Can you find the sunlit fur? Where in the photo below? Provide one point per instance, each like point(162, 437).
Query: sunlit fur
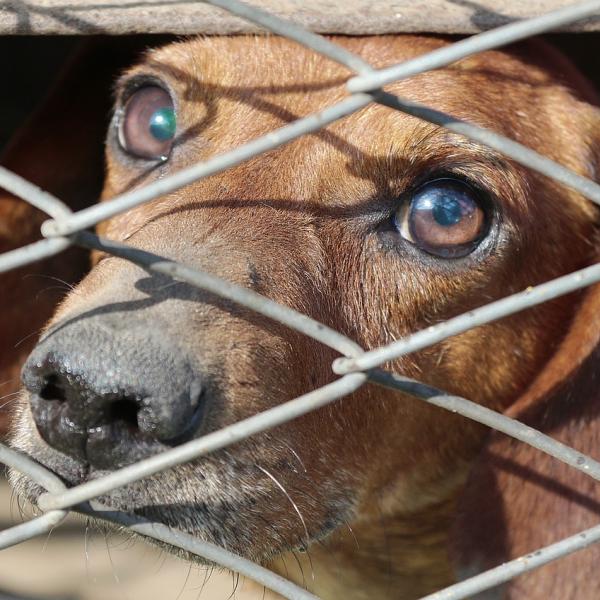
point(376, 475)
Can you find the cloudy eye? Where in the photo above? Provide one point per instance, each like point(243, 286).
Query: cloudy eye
point(147, 126)
point(444, 217)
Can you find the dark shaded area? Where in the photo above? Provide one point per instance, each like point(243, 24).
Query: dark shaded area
point(29, 65)
point(582, 49)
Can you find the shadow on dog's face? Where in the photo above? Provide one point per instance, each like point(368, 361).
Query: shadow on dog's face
point(378, 225)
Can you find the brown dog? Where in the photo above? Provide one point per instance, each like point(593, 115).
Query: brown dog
point(378, 226)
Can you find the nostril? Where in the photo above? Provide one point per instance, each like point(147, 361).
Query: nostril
point(124, 410)
point(52, 389)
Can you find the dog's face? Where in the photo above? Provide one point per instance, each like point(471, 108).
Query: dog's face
point(379, 225)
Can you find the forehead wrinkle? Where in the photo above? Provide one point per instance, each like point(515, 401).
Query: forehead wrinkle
point(439, 144)
point(439, 150)
point(421, 143)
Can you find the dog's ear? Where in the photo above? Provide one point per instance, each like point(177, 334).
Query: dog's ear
point(60, 149)
point(519, 499)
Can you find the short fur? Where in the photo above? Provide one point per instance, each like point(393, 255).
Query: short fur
point(376, 476)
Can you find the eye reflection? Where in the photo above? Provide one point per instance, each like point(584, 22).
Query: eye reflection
point(444, 217)
point(162, 124)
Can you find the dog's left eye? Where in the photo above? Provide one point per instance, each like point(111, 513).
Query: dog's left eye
point(147, 126)
point(443, 217)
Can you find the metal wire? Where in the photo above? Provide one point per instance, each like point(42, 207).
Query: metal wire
point(491, 418)
point(22, 188)
point(211, 552)
point(514, 568)
point(519, 153)
point(91, 216)
point(488, 40)
point(355, 366)
point(209, 443)
point(158, 531)
point(32, 253)
point(479, 316)
point(274, 24)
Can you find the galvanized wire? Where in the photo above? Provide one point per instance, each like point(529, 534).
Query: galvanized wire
point(209, 443)
point(91, 216)
point(158, 531)
point(474, 318)
point(491, 418)
point(518, 152)
point(32, 253)
point(525, 156)
point(311, 40)
point(212, 552)
point(507, 571)
point(15, 184)
point(355, 366)
point(488, 40)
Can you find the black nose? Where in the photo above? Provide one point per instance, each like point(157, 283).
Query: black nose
point(109, 396)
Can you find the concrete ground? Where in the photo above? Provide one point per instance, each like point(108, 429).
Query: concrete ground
point(74, 564)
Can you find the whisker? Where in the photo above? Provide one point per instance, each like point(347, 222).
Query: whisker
point(13, 396)
point(112, 564)
point(68, 285)
point(48, 539)
point(299, 563)
point(49, 289)
point(310, 562)
point(236, 583)
point(185, 582)
point(352, 534)
point(207, 575)
point(276, 482)
point(86, 550)
point(24, 339)
point(296, 455)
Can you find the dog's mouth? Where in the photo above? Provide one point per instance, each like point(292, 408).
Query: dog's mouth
point(244, 498)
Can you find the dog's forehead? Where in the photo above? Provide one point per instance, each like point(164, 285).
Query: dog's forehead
point(256, 83)
point(262, 62)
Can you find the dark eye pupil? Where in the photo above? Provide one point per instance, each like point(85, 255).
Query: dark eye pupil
point(447, 211)
point(163, 124)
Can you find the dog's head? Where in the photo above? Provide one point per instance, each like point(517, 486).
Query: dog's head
point(378, 225)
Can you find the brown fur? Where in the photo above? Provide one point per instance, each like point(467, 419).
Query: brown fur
point(376, 475)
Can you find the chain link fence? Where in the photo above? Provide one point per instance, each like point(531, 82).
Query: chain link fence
point(356, 366)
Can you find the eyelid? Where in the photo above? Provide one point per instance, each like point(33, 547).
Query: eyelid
point(126, 87)
point(131, 84)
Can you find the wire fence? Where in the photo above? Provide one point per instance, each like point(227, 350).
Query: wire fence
point(356, 366)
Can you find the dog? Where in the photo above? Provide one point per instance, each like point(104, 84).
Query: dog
point(378, 225)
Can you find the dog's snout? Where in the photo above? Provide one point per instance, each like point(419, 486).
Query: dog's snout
point(110, 396)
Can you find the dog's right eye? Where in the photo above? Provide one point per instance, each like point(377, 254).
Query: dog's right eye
point(444, 217)
point(147, 125)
